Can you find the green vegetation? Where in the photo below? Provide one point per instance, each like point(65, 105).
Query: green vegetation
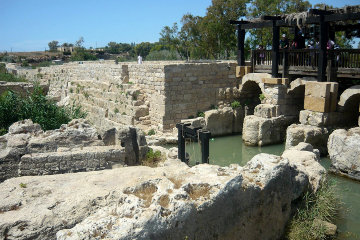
point(36, 107)
point(323, 206)
point(212, 106)
point(8, 77)
point(151, 132)
point(261, 96)
point(23, 185)
point(116, 110)
point(235, 104)
point(152, 158)
point(201, 114)
point(53, 45)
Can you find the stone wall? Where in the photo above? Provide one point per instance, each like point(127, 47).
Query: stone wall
point(151, 95)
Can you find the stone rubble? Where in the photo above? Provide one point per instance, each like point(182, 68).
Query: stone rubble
point(169, 202)
point(27, 150)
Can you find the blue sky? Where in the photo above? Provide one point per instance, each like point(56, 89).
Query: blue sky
point(28, 25)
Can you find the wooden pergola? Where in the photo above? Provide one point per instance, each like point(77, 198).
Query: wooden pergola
point(329, 22)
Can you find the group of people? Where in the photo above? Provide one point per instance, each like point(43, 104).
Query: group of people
point(297, 43)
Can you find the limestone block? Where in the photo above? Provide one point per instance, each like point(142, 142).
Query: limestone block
point(334, 87)
point(243, 70)
point(317, 104)
point(266, 110)
point(195, 122)
point(141, 111)
point(316, 136)
point(344, 151)
point(258, 131)
point(275, 81)
point(317, 89)
point(320, 119)
point(219, 121)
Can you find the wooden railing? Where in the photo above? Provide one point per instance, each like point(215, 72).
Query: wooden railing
point(342, 58)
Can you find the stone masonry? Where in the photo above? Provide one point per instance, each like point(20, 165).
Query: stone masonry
point(151, 95)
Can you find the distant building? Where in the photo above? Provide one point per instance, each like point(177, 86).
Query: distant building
point(65, 49)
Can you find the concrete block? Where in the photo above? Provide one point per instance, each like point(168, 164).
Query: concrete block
point(317, 104)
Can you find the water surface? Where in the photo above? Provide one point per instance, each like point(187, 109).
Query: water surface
point(227, 150)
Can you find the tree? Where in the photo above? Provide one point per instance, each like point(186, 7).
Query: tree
point(53, 45)
point(143, 49)
point(259, 8)
point(79, 43)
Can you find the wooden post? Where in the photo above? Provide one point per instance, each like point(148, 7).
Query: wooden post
point(241, 50)
point(322, 51)
point(204, 138)
point(285, 63)
point(181, 142)
point(275, 49)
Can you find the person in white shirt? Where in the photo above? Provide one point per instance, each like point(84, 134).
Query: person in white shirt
point(139, 59)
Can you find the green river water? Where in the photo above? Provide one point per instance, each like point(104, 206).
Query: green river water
point(230, 149)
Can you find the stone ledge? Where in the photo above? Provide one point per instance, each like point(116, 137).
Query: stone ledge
point(275, 81)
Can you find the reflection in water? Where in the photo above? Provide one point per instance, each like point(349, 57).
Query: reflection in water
point(230, 149)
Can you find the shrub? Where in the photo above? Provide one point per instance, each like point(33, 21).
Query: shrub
point(201, 114)
point(323, 205)
point(262, 97)
point(36, 107)
point(151, 132)
point(152, 158)
point(162, 55)
point(235, 104)
point(212, 106)
point(8, 77)
point(116, 110)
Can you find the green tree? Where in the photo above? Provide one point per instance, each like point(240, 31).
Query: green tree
point(53, 45)
point(259, 8)
point(143, 49)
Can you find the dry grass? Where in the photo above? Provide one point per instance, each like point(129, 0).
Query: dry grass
point(176, 181)
point(145, 192)
point(164, 201)
point(197, 191)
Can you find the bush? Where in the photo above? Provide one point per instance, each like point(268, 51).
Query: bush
point(323, 205)
point(152, 158)
point(151, 132)
point(82, 55)
point(163, 55)
point(201, 114)
point(235, 104)
point(8, 77)
point(262, 97)
point(36, 107)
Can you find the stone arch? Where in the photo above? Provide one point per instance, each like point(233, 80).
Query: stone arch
point(250, 89)
point(296, 93)
point(350, 103)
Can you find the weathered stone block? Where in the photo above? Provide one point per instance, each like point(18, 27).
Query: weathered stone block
point(275, 81)
point(242, 70)
point(317, 89)
point(266, 110)
point(317, 104)
point(344, 151)
point(334, 87)
point(258, 131)
point(316, 136)
point(324, 119)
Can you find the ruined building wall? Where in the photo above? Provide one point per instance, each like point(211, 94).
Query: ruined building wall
point(151, 95)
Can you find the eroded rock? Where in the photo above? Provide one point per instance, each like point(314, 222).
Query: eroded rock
point(344, 150)
point(169, 202)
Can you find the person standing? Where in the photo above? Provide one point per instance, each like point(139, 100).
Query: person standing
point(139, 59)
point(284, 42)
